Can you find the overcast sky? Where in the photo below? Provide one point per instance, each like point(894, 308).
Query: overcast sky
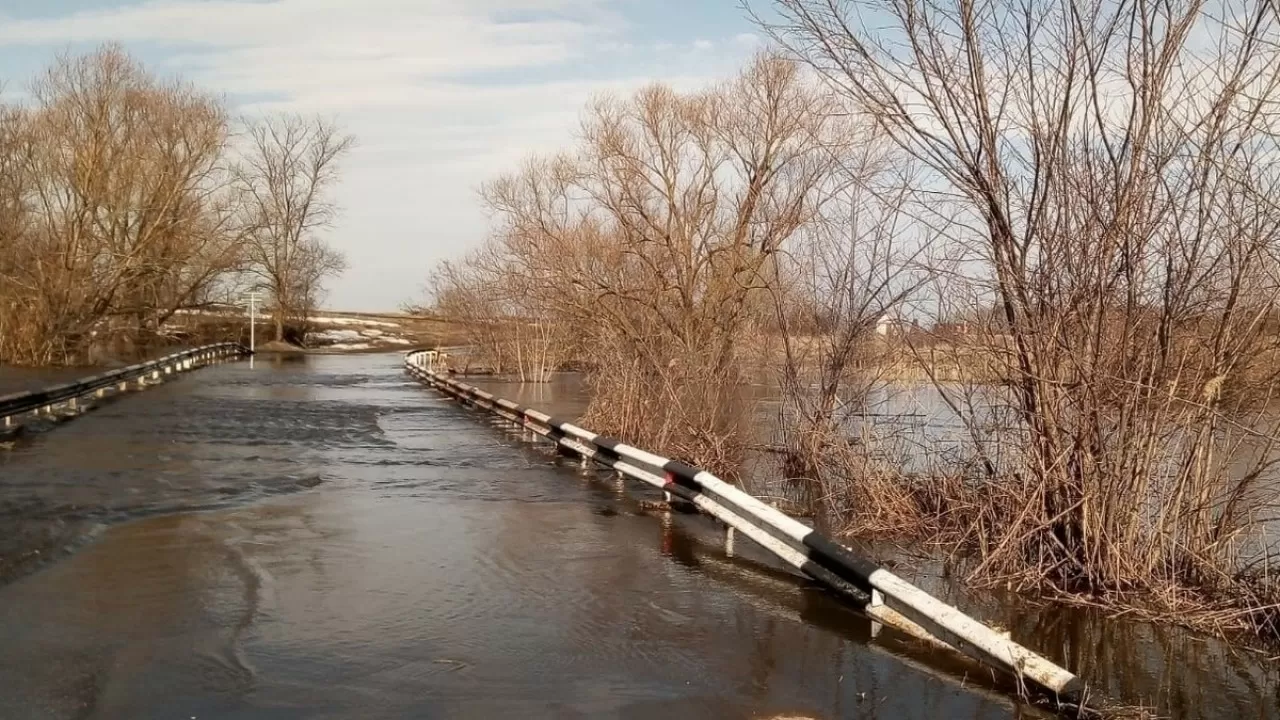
point(441, 94)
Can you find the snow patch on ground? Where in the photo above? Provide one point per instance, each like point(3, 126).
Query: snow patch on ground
point(364, 339)
point(352, 321)
point(336, 336)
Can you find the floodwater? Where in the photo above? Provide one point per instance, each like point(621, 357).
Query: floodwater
point(323, 538)
point(1176, 673)
point(16, 380)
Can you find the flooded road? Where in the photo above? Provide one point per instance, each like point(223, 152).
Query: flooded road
point(325, 539)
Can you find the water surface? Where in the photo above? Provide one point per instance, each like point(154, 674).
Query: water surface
point(324, 538)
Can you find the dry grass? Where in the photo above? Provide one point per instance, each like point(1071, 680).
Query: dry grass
point(687, 410)
point(978, 523)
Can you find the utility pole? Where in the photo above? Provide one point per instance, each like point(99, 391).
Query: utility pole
point(252, 298)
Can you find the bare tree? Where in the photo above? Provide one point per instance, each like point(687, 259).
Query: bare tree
point(860, 260)
point(15, 338)
point(654, 244)
point(119, 185)
point(120, 207)
point(289, 168)
point(507, 322)
point(1111, 167)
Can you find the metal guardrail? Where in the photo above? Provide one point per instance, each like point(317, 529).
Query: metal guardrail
point(882, 595)
point(17, 404)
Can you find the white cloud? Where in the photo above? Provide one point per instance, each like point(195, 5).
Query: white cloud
point(343, 24)
point(442, 95)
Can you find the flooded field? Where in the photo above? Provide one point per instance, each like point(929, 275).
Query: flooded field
point(16, 380)
point(1176, 672)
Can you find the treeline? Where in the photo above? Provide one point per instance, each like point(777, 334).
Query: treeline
point(645, 252)
point(1103, 175)
point(126, 199)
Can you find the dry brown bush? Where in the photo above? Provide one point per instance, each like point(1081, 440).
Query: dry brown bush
point(858, 262)
point(652, 244)
point(1107, 173)
point(509, 326)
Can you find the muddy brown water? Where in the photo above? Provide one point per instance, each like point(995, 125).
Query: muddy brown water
point(323, 538)
point(18, 380)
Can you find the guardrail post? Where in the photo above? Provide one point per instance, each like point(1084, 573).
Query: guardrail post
point(728, 541)
point(877, 600)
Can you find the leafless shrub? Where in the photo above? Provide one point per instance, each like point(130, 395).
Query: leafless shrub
point(653, 242)
point(855, 264)
point(509, 325)
point(1108, 173)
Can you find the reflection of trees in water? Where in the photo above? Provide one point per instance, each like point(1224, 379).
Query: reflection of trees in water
point(1181, 674)
point(566, 395)
point(798, 649)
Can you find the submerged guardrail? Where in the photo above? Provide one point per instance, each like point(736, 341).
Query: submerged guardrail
point(45, 400)
point(882, 595)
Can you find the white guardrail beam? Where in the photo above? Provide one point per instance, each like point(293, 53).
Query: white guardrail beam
point(45, 399)
point(882, 595)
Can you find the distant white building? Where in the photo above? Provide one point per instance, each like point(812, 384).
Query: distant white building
point(885, 324)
